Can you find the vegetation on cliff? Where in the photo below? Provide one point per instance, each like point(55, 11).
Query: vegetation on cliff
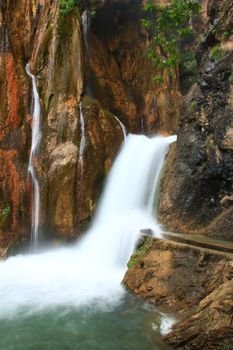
point(67, 6)
point(167, 25)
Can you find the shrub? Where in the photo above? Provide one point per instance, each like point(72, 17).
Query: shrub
point(216, 53)
point(168, 24)
point(67, 6)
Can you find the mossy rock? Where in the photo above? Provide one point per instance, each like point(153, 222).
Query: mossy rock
point(4, 215)
point(140, 253)
point(89, 101)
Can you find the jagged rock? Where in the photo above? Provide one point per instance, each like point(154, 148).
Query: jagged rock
point(116, 76)
point(112, 75)
point(209, 326)
point(194, 282)
point(147, 231)
point(177, 276)
point(15, 116)
point(199, 171)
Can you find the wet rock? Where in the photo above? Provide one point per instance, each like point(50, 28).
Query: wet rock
point(177, 276)
point(209, 326)
point(15, 131)
point(147, 231)
point(199, 170)
point(116, 76)
point(194, 282)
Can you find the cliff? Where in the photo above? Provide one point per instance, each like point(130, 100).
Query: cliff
point(95, 65)
point(197, 192)
point(193, 284)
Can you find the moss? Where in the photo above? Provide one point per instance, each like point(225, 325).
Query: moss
point(4, 214)
point(64, 27)
point(216, 53)
point(230, 79)
point(140, 253)
point(93, 13)
point(67, 6)
point(228, 346)
point(193, 106)
point(89, 101)
point(226, 35)
point(209, 144)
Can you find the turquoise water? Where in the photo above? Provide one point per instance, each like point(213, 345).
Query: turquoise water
point(130, 325)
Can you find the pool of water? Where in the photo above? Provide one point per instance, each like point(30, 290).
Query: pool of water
point(132, 324)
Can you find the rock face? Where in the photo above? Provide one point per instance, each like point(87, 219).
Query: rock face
point(105, 70)
point(209, 326)
point(176, 276)
point(17, 21)
point(195, 283)
point(68, 193)
point(197, 186)
point(121, 75)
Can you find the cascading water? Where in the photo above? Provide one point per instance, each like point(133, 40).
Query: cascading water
point(125, 208)
point(88, 276)
point(36, 136)
point(83, 138)
point(85, 24)
point(123, 128)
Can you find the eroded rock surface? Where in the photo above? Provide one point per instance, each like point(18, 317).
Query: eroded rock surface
point(199, 173)
point(121, 76)
point(196, 283)
point(177, 276)
point(109, 74)
point(209, 326)
point(18, 20)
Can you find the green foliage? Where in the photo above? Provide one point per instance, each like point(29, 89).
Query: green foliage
point(226, 35)
point(193, 106)
point(6, 211)
point(188, 70)
point(67, 6)
point(168, 24)
point(230, 79)
point(158, 79)
point(4, 214)
point(140, 253)
point(93, 13)
point(216, 53)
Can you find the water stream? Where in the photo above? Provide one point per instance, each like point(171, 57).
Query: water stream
point(85, 24)
point(36, 136)
point(72, 298)
point(123, 128)
point(83, 138)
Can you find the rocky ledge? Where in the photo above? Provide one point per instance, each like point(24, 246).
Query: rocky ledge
point(193, 282)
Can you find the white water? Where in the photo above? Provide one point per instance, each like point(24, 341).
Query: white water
point(90, 273)
point(36, 136)
point(85, 24)
point(83, 138)
point(123, 128)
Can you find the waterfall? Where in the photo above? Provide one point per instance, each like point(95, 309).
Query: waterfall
point(83, 139)
point(85, 25)
point(36, 136)
point(142, 123)
point(90, 273)
point(123, 128)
